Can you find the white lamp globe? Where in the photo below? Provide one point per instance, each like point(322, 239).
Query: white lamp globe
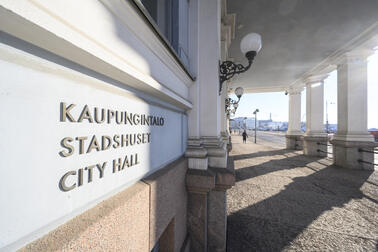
point(239, 92)
point(236, 105)
point(250, 42)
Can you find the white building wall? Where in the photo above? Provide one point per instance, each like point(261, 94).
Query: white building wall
point(103, 55)
point(122, 45)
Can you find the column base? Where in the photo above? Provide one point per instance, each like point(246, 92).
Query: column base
point(196, 155)
point(315, 146)
point(348, 154)
point(294, 142)
point(197, 158)
point(216, 151)
point(354, 137)
point(227, 140)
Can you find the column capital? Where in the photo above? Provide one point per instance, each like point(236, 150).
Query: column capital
point(315, 79)
point(354, 55)
point(293, 90)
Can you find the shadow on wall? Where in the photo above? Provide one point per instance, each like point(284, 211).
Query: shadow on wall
point(274, 223)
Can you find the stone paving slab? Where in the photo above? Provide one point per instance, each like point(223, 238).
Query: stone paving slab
point(283, 200)
point(255, 234)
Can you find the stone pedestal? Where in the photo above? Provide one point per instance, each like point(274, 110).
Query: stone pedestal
point(354, 154)
point(216, 151)
point(315, 146)
point(199, 183)
point(217, 223)
point(294, 142)
point(196, 154)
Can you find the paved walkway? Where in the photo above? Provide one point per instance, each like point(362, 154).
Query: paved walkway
point(284, 201)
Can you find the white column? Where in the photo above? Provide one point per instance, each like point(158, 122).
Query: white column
point(193, 114)
point(208, 71)
point(226, 37)
point(294, 111)
point(352, 97)
point(294, 132)
point(205, 146)
point(315, 106)
point(224, 129)
point(196, 154)
point(315, 139)
point(352, 135)
point(209, 18)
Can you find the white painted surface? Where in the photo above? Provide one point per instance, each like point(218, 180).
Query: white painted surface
point(223, 97)
point(30, 131)
point(208, 75)
point(194, 90)
point(315, 106)
point(109, 37)
point(352, 92)
point(294, 112)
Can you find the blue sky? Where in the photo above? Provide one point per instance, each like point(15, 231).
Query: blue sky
point(277, 103)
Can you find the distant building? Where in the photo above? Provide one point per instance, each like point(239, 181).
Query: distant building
point(264, 124)
point(250, 122)
point(374, 132)
point(242, 123)
point(237, 123)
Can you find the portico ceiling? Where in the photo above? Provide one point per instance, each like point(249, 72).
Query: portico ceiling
point(297, 35)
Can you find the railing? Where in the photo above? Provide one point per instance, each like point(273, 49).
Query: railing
point(368, 151)
point(322, 151)
point(296, 145)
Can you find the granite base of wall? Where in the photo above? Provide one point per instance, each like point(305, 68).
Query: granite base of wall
point(168, 205)
point(135, 219)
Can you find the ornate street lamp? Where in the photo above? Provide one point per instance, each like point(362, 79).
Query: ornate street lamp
point(229, 102)
point(250, 46)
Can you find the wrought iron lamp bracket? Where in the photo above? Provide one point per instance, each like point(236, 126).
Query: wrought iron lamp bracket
point(227, 69)
point(229, 102)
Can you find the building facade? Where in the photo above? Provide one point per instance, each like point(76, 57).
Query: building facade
point(115, 131)
point(112, 134)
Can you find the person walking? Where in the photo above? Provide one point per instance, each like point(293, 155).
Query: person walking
point(245, 136)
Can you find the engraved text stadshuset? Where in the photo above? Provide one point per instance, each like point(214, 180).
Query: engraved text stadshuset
point(81, 145)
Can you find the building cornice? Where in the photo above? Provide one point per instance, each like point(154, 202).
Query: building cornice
point(264, 89)
point(34, 23)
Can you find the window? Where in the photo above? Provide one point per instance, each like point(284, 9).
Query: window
point(170, 17)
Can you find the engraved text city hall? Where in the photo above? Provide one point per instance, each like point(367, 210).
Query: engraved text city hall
point(81, 145)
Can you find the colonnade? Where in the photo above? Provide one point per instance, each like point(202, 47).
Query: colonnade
point(352, 144)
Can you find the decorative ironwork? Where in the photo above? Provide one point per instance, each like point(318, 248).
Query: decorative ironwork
point(228, 103)
point(228, 69)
